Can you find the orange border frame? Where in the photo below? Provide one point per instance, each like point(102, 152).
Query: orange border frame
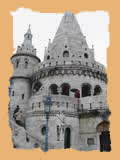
point(113, 55)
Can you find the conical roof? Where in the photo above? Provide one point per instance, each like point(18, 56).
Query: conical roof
point(68, 40)
point(68, 25)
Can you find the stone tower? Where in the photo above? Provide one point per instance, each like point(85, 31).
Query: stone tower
point(23, 62)
point(76, 85)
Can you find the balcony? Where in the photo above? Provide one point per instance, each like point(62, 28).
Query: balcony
point(62, 103)
point(103, 113)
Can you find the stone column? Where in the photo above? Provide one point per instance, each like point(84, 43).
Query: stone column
point(59, 90)
point(92, 91)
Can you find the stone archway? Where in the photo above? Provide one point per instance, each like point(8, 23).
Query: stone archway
point(67, 138)
point(104, 137)
point(65, 89)
point(86, 89)
point(97, 90)
point(53, 89)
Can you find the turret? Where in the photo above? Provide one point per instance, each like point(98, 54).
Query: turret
point(25, 58)
point(24, 61)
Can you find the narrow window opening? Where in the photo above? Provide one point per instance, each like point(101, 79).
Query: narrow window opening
point(67, 104)
point(43, 130)
point(32, 105)
point(17, 63)
point(90, 106)
point(39, 104)
point(48, 57)
point(13, 93)
point(27, 138)
point(58, 133)
point(86, 55)
point(22, 96)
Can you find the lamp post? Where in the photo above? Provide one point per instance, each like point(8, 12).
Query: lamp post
point(47, 104)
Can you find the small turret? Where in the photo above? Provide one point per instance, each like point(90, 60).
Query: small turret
point(23, 62)
point(25, 58)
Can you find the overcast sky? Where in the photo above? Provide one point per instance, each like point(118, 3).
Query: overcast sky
point(94, 25)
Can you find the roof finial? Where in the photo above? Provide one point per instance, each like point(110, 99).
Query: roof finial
point(29, 26)
point(29, 29)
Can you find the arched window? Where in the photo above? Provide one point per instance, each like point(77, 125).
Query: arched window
point(86, 90)
point(65, 89)
point(97, 90)
point(26, 62)
point(48, 57)
point(65, 54)
point(53, 89)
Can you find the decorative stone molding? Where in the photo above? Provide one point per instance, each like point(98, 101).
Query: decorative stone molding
point(77, 70)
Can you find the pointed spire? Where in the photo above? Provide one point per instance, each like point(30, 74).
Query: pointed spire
point(68, 25)
point(28, 38)
point(29, 29)
point(27, 46)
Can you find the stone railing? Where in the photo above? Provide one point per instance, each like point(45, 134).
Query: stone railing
point(67, 103)
point(52, 63)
